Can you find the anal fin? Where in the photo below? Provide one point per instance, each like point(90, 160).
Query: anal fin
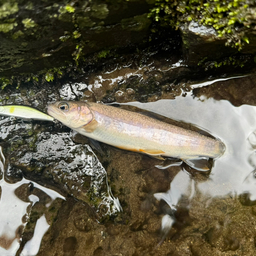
point(158, 157)
point(153, 152)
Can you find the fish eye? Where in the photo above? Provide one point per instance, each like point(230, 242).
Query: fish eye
point(63, 106)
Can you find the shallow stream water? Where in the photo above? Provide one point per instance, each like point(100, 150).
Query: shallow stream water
point(193, 212)
point(15, 210)
point(233, 173)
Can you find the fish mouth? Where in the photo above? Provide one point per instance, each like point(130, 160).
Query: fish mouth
point(52, 111)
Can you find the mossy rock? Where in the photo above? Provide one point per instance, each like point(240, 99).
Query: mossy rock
point(210, 30)
point(41, 37)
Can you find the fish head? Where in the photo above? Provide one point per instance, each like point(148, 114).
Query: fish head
point(72, 114)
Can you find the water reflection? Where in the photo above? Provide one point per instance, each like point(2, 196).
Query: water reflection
point(15, 213)
point(33, 245)
point(234, 172)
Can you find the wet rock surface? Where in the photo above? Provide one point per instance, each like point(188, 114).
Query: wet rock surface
point(234, 91)
point(45, 40)
point(204, 47)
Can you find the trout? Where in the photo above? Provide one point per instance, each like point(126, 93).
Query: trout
point(135, 132)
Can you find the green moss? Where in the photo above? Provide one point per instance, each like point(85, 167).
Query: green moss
point(8, 8)
point(29, 23)
point(7, 27)
point(69, 8)
point(4, 82)
point(29, 6)
point(103, 54)
point(30, 132)
point(32, 145)
point(85, 22)
point(76, 34)
point(231, 18)
point(17, 34)
point(49, 76)
point(64, 38)
point(93, 198)
point(65, 14)
point(235, 61)
point(35, 78)
point(77, 53)
point(51, 73)
point(62, 10)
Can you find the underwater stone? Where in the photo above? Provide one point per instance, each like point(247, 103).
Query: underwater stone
point(70, 244)
point(137, 23)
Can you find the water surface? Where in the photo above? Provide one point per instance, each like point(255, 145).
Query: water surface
point(233, 173)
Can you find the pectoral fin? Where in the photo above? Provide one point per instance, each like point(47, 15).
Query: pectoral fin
point(200, 164)
point(90, 127)
point(96, 145)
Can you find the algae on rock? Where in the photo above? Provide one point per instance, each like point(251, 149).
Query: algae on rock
point(45, 35)
point(208, 26)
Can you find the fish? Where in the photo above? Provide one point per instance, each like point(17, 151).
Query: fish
point(136, 132)
point(24, 112)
